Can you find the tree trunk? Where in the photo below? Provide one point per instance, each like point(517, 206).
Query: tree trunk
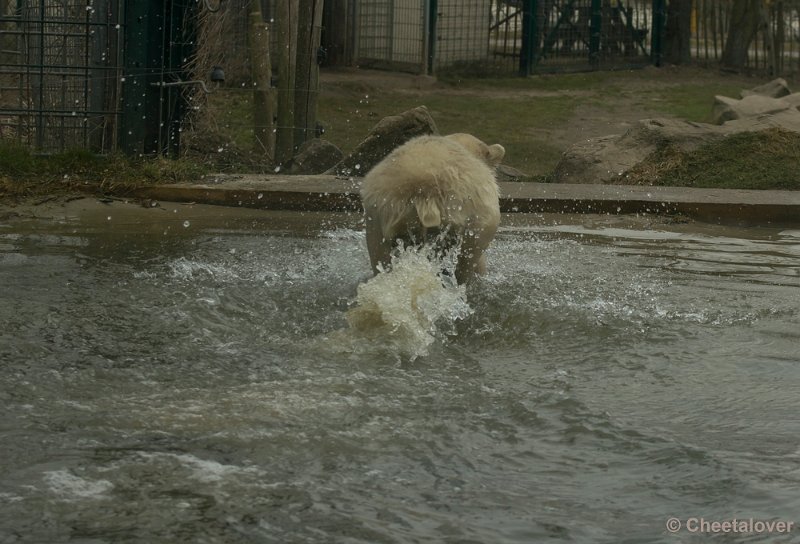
point(261, 71)
point(309, 30)
point(678, 32)
point(745, 19)
point(286, 29)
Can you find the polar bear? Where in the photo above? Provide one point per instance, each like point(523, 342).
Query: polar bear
point(433, 186)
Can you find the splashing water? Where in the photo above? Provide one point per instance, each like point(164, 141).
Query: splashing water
point(410, 305)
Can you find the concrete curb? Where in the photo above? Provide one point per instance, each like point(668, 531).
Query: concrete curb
point(329, 193)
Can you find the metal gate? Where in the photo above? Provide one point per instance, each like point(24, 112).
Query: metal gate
point(392, 34)
point(558, 35)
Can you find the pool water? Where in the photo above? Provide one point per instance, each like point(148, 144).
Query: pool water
point(195, 378)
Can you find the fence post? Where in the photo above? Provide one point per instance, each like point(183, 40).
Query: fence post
point(306, 94)
point(139, 130)
point(530, 38)
point(433, 21)
point(657, 36)
point(157, 42)
point(596, 24)
point(261, 72)
point(286, 30)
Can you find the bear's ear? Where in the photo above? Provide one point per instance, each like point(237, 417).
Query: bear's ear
point(496, 154)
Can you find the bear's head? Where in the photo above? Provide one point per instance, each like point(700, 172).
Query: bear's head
point(490, 154)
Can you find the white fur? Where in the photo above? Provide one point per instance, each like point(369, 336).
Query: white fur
point(434, 182)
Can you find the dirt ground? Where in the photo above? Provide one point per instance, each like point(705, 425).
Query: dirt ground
point(602, 113)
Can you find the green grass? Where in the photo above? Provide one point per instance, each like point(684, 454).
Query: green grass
point(750, 160)
point(691, 102)
point(23, 173)
point(522, 114)
point(510, 121)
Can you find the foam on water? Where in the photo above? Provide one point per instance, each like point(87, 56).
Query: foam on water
point(68, 486)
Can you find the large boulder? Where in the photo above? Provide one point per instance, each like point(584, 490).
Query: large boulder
point(315, 156)
point(729, 109)
point(389, 133)
point(606, 159)
point(776, 88)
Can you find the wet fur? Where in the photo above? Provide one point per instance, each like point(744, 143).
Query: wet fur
point(432, 184)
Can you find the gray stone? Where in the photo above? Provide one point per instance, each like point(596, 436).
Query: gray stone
point(388, 134)
point(728, 109)
point(776, 88)
point(315, 157)
point(792, 99)
point(509, 173)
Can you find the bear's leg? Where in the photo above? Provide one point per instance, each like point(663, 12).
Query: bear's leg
point(379, 249)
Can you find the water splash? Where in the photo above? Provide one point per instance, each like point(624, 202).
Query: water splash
point(407, 307)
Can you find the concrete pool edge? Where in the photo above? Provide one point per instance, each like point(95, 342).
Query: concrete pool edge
point(332, 193)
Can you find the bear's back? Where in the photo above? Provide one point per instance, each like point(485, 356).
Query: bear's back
point(428, 167)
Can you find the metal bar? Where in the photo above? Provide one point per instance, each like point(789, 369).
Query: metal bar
point(57, 112)
point(55, 66)
point(21, 19)
point(433, 19)
point(86, 76)
point(530, 38)
point(39, 117)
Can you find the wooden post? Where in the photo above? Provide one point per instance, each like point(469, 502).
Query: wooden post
point(309, 32)
point(261, 72)
point(286, 30)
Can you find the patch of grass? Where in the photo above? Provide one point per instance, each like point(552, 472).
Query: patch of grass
point(522, 114)
point(749, 160)
point(23, 173)
point(692, 102)
point(510, 120)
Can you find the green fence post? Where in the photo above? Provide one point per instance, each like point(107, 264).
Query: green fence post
point(530, 38)
point(433, 21)
point(158, 38)
point(657, 36)
point(143, 44)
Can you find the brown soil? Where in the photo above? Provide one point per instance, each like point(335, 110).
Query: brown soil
point(591, 120)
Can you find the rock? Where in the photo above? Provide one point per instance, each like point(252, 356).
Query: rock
point(606, 159)
point(776, 88)
point(788, 120)
point(315, 157)
point(389, 133)
point(792, 99)
point(602, 160)
point(727, 109)
point(509, 173)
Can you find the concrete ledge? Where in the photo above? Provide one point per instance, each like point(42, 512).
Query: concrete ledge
point(329, 193)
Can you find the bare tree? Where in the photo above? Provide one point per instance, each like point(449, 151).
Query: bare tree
point(678, 32)
point(746, 17)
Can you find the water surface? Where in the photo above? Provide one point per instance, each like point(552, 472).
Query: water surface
point(193, 379)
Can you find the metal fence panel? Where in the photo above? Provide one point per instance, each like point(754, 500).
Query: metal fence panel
point(60, 73)
point(571, 34)
point(391, 33)
point(462, 32)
